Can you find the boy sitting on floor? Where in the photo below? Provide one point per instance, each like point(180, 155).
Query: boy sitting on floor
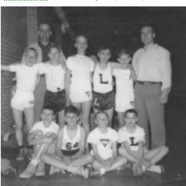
point(70, 147)
point(103, 140)
point(132, 139)
point(43, 136)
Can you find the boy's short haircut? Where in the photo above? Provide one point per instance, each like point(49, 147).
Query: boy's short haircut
point(101, 112)
point(54, 46)
point(44, 23)
point(72, 110)
point(104, 47)
point(151, 25)
point(81, 35)
point(131, 111)
point(124, 51)
point(30, 48)
point(49, 108)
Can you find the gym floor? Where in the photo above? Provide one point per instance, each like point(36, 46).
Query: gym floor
point(174, 162)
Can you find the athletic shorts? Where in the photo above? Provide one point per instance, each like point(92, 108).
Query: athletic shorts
point(69, 152)
point(55, 100)
point(22, 100)
point(103, 101)
point(123, 102)
point(80, 92)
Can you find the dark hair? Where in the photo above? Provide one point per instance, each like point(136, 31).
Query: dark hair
point(54, 46)
point(148, 25)
point(72, 109)
point(124, 51)
point(49, 108)
point(30, 48)
point(104, 47)
point(101, 112)
point(133, 111)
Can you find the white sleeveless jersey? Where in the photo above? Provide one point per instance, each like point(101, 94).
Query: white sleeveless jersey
point(124, 84)
point(68, 143)
point(102, 79)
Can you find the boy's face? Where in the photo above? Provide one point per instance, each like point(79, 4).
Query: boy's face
point(104, 55)
point(54, 55)
point(71, 119)
point(131, 119)
point(81, 44)
point(124, 59)
point(102, 120)
point(30, 58)
point(47, 116)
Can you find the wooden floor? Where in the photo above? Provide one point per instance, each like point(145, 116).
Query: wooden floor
point(174, 163)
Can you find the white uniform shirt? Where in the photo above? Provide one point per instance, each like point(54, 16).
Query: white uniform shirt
point(81, 67)
point(55, 76)
point(71, 143)
point(103, 141)
point(124, 84)
point(102, 79)
point(133, 139)
point(53, 128)
point(153, 64)
point(26, 76)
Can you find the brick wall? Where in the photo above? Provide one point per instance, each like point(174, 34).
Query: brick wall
point(14, 39)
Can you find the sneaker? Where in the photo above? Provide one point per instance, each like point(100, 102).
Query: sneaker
point(157, 169)
point(40, 169)
point(29, 172)
point(30, 154)
point(137, 170)
point(54, 170)
point(21, 154)
point(84, 172)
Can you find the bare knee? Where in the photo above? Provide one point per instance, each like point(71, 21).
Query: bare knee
point(165, 150)
point(122, 151)
point(96, 165)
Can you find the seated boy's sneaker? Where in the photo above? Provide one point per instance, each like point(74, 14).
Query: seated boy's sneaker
point(54, 170)
point(40, 169)
point(84, 172)
point(30, 154)
point(29, 172)
point(157, 169)
point(21, 154)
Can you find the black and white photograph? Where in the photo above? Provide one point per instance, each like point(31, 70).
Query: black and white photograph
point(93, 96)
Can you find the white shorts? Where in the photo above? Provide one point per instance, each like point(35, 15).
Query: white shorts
point(22, 100)
point(124, 102)
point(104, 153)
point(80, 92)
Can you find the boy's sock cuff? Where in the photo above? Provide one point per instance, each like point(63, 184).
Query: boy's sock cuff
point(34, 162)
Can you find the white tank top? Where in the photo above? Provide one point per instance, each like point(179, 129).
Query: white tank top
point(102, 79)
point(71, 143)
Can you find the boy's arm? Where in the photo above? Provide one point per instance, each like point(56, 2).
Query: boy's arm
point(96, 155)
point(82, 145)
point(127, 148)
point(59, 143)
point(67, 86)
point(34, 139)
point(5, 67)
point(49, 138)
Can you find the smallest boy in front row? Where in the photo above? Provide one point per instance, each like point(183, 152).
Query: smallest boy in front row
point(103, 140)
point(132, 139)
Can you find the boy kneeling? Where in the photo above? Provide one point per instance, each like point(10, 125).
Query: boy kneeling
point(42, 136)
point(132, 139)
point(103, 140)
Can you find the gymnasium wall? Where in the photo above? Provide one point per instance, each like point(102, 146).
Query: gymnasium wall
point(14, 38)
